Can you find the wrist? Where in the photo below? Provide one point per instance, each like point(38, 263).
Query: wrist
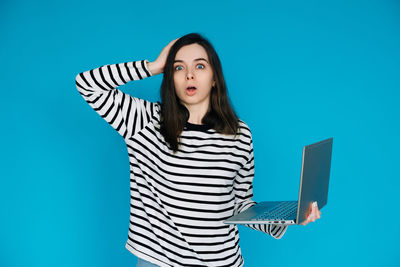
point(154, 68)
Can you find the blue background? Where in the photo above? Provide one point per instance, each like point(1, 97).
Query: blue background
point(297, 72)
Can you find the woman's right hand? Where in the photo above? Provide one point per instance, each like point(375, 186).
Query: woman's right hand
point(157, 66)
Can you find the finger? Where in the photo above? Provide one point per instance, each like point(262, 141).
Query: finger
point(310, 214)
point(314, 216)
point(318, 214)
point(315, 210)
point(311, 211)
point(314, 206)
point(304, 223)
point(173, 41)
point(309, 219)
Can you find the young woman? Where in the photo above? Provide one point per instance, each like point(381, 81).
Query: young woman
point(191, 157)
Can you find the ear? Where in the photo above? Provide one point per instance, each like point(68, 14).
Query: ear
point(213, 83)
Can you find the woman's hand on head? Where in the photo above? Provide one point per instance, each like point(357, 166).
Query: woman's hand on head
point(157, 66)
point(313, 214)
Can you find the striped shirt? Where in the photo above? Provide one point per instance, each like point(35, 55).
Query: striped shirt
point(178, 200)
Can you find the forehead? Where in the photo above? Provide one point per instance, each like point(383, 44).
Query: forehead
point(190, 52)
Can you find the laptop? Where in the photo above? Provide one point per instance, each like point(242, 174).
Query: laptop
point(314, 182)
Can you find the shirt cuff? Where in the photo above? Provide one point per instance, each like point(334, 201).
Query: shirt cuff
point(146, 67)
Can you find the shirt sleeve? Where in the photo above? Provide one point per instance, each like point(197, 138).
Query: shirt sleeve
point(243, 189)
point(125, 113)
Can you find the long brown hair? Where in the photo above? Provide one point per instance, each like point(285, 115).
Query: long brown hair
point(174, 115)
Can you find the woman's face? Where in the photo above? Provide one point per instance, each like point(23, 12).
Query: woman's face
point(192, 69)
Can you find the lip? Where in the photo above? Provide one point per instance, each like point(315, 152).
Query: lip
point(190, 92)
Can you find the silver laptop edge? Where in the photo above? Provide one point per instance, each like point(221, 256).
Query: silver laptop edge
point(321, 195)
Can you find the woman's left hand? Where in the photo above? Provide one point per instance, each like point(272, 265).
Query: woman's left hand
point(314, 214)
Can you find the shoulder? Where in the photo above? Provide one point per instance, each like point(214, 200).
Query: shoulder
point(244, 128)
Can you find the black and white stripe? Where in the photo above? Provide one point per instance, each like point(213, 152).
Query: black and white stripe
point(178, 201)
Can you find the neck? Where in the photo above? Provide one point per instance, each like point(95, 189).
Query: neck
point(197, 112)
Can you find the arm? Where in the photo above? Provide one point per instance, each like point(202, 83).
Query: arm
point(243, 189)
point(126, 114)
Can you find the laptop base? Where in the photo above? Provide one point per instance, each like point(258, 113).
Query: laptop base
point(266, 213)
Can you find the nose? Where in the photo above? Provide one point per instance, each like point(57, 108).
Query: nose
point(189, 75)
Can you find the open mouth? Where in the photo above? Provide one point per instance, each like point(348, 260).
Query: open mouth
point(190, 90)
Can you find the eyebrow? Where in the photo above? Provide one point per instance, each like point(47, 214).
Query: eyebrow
point(197, 59)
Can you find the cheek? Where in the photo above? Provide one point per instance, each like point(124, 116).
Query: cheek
point(206, 76)
point(177, 79)
point(178, 88)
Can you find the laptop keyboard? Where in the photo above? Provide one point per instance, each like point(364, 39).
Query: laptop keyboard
point(282, 211)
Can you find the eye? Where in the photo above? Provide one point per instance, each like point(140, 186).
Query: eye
point(201, 65)
point(179, 66)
